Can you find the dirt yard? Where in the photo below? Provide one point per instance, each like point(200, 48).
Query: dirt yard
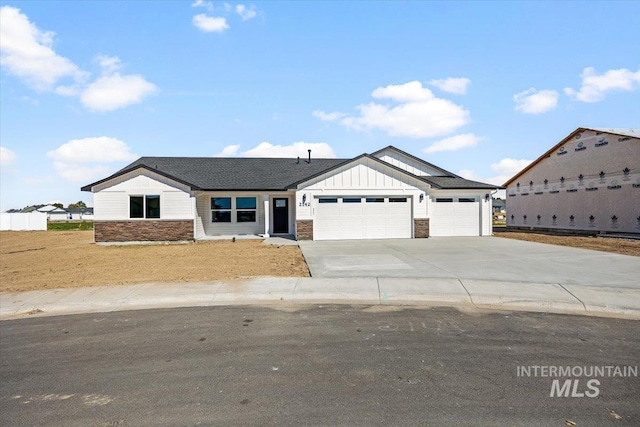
point(34, 260)
point(617, 246)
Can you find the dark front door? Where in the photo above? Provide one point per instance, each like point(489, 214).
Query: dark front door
point(281, 216)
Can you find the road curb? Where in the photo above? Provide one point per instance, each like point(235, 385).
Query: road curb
point(481, 294)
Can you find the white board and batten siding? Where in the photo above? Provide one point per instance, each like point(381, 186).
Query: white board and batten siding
point(363, 179)
point(406, 163)
point(111, 200)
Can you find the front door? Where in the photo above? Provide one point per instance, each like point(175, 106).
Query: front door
point(281, 216)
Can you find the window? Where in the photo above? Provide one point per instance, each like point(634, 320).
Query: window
point(221, 209)
point(444, 200)
point(136, 207)
point(352, 200)
point(327, 200)
point(397, 199)
point(466, 199)
point(245, 209)
point(144, 207)
point(375, 199)
point(152, 206)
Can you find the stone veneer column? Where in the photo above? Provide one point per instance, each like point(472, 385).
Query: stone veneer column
point(421, 228)
point(304, 229)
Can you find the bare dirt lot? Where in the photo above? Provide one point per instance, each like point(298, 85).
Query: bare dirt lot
point(617, 246)
point(32, 260)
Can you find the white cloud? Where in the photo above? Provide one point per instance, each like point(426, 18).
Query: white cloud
point(594, 87)
point(228, 151)
point(7, 157)
point(201, 3)
point(328, 117)
point(532, 101)
point(87, 158)
point(419, 114)
point(457, 85)
point(109, 64)
point(115, 91)
point(454, 143)
point(266, 149)
point(27, 52)
point(246, 13)
point(408, 92)
point(210, 24)
point(502, 170)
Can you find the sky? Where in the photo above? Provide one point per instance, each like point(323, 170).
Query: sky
point(478, 88)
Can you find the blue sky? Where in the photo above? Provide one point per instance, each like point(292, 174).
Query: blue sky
point(478, 88)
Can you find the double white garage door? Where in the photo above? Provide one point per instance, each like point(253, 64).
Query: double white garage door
point(341, 218)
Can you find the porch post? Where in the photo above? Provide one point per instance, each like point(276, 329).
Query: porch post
point(265, 202)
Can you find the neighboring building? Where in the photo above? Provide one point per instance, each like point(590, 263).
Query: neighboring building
point(499, 209)
point(387, 194)
point(588, 182)
point(79, 214)
point(58, 214)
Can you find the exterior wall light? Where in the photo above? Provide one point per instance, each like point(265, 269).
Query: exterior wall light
point(421, 197)
point(304, 199)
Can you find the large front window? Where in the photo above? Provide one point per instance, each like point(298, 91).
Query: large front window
point(246, 209)
point(221, 209)
point(144, 207)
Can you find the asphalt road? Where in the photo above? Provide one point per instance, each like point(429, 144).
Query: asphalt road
point(328, 365)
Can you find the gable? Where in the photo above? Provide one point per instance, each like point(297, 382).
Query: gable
point(586, 152)
point(587, 137)
point(410, 163)
point(364, 173)
point(141, 180)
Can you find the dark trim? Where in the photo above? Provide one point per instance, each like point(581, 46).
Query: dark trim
point(136, 167)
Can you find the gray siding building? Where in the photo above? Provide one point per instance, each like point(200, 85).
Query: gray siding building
point(588, 182)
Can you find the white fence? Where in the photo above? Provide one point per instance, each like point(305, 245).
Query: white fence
point(23, 221)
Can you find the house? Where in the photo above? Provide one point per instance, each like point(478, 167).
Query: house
point(54, 213)
point(499, 209)
point(587, 182)
point(79, 214)
point(386, 194)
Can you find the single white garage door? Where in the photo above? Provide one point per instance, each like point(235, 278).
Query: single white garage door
point(341, 218)
point(455, 218)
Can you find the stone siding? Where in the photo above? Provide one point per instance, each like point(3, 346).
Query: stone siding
point(143, 231)
point(304, 229)
point(421, 228)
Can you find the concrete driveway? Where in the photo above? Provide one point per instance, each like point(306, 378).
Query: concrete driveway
point(483, 258)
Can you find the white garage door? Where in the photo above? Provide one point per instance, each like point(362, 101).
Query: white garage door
point(341, 218)
point(455, 218)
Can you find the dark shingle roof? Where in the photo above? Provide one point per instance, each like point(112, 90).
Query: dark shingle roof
point(260, 174)
point(230, 173)
point(456, 183)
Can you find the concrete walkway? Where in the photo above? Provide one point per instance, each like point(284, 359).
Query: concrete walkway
point(541, 297)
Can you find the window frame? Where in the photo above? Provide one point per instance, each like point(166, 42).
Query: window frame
point(327, 200)
point(243, 210)
point(444, 199)
point(374, 200)
point(144, 205)
point(467, 199)
point(221, 210)
point(398, 199)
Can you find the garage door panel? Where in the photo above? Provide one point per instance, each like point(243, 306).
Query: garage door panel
point(373, 220)
point(455, 219)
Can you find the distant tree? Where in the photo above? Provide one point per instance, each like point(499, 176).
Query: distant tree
point(58, 205)
point(78, 205)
